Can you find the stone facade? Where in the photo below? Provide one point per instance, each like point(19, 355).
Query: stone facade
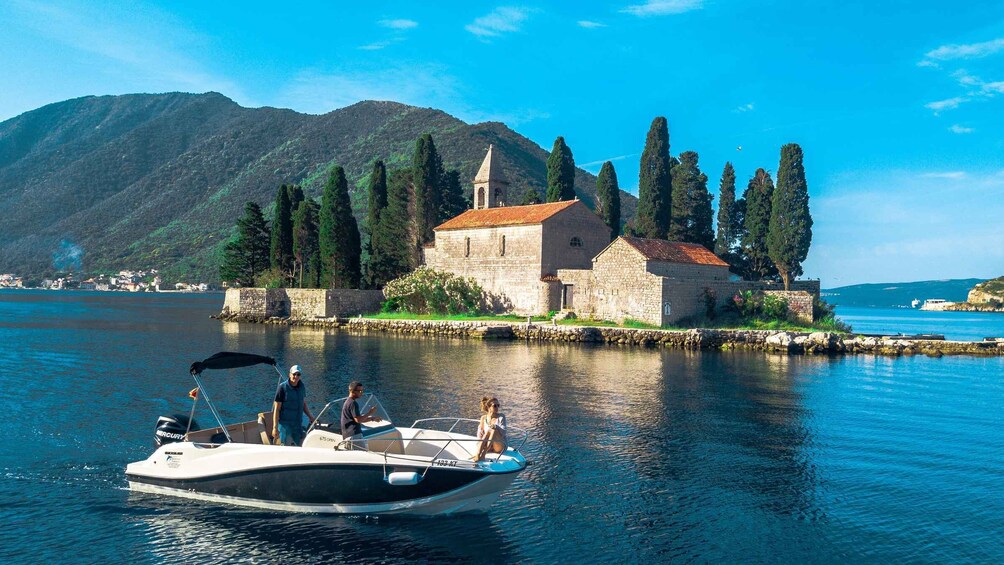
point(513, 251)
point(299, 303)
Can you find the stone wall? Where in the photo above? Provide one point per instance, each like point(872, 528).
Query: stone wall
point(580, 223)
point(799, 304)
point(298, 303)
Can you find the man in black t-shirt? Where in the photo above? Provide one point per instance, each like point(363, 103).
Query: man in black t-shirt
point(351, 418)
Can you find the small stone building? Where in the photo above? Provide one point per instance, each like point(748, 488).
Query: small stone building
point(514, 252)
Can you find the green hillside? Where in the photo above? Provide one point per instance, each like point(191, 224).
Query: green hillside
point(157, 180)
point(898, 295)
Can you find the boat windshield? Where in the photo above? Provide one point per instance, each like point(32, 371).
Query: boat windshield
point(330, 418)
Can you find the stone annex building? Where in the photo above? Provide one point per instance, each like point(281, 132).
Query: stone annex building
point(558, 256)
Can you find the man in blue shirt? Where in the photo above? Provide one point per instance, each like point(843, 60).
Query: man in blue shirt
point(288, 409)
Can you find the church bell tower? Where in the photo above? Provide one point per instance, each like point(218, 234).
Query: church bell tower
point(490, 185)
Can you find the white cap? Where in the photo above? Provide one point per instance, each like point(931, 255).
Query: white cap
point(294, 369)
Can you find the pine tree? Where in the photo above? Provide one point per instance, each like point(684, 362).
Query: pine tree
point(454, 202)
point(338, 234)
point(758, 197)
point(392, 252)
point(726, 237)
point(690, 220)
point(281, 249)
point(305, 240)
point(560, 172)
point(247, 255)
point(790, 231)
point(654, 183)
point(427, 179)
point(608, 199)
point(531, 196)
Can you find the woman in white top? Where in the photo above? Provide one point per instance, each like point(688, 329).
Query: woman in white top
point(491, 428)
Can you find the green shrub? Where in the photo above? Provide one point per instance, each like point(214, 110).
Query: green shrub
point(427, 291)
point(774, 307)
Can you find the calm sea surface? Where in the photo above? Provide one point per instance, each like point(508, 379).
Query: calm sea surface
point(638, 455)
point(960, 326)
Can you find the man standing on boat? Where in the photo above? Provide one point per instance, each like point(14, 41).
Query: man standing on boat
point(288, 409)
point(351, 418)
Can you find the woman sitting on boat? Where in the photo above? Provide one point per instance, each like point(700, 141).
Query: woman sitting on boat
point(491, 428)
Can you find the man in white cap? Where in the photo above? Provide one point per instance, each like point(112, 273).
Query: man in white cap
point(288, 409)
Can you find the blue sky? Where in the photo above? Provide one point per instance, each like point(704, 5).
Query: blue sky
point(898, 106)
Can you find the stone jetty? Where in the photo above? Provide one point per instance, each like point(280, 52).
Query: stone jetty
point(796, 343)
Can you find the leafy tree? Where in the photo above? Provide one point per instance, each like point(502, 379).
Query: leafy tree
point(790, 231)
point(281, 250)
point(454, 202)
point(339, 234)
point(560, 172)
point(654, 183)
point(377, 202)
point(305, 241)
point(608, 198)
point(427, 179)
point(427, 291)
point(531, 196)
point(246, 256)
point(725, 240)
point(392, 254)
point(691, 203)
point(756, 223)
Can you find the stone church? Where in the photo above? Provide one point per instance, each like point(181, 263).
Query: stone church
point(558, 256)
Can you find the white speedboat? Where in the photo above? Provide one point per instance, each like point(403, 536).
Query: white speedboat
point(422, 469)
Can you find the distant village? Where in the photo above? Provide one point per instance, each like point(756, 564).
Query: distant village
point(123, 281)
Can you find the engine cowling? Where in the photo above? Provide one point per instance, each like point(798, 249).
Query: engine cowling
point(172, 428)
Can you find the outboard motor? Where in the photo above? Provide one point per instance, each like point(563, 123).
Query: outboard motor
point(172, 428)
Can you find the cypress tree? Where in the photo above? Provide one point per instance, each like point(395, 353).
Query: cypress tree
point(427, 179)
point(454, 202)
point(654, 183)
point(690, 220)
point(247, 255)
point(377, 202)
point(392, 253)
point(305, 241)
point(790, 231)
point(295, 196)
point(608, 198)
point(338, 234)
point(531, 196)
point(726, 237)
point(560, 172)
point(758, 197)
point(282, 233)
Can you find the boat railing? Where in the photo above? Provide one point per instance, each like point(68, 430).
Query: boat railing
point(515, 436)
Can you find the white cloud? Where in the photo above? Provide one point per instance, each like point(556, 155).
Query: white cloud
point(745, 108)
point(589, 24)
point(944, 175)
point(376, 46)
point(948, 104)
point(992, 88)
point(505, 19)
point(601, 161)
point(970, 51)
point(928, 63)
point(663, 7)
point(956, 128)
point(398, 23)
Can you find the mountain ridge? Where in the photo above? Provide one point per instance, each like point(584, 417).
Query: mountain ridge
point(144, 181)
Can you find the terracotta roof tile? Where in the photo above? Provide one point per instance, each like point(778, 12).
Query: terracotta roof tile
point(505, 216)
point(674, 251)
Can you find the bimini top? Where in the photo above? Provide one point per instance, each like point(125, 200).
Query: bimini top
point(228, 360)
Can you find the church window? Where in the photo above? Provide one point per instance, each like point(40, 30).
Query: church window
point(502, 246)
point(498, 197)
point(575, 242)
point(467, 247)
point(481, 197)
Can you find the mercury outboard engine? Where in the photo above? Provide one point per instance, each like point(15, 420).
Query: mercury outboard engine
point(172, 428)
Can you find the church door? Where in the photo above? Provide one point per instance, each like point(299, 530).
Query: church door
point(567, 294)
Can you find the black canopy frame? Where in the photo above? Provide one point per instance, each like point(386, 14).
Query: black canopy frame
point(224, 360)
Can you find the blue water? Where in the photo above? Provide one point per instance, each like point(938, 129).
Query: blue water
point(638, 455)
point(960, 326)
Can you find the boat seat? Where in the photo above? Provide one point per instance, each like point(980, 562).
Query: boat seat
point(265, 428)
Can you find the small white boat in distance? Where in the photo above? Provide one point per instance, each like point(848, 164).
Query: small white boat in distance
point(914, 303)
point(936, 304)
point(425, 468)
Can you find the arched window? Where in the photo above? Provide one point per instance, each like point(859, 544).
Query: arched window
point(498, 196)
point(502, 246)
point(575, 242)
point(481, 197)
point(467, 247)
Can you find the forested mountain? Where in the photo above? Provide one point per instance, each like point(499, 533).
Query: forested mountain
point(898, 295)
point(157, 180)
